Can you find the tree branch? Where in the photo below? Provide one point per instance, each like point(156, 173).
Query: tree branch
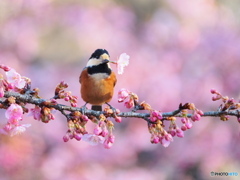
point(27, 98)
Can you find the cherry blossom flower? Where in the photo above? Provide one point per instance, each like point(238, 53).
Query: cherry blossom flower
point(14, 113)
point(15, 79)
point(19, 129)
point(165, 142)
point(93, 139)
point(122, 94)
point(12, 130)
point(35, 112)
point(122, 62)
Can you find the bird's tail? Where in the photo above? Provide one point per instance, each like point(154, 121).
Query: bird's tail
point(97, 107)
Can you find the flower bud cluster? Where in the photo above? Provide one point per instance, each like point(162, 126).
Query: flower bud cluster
point(60, 93)
point(102, 132)
point(110, 112)
point(14, 115)
point(229, 104)
point(76, 126)
point(130, 98)
point(158, 131)
point(159, 134)
point(43, 114)
point(12, 81)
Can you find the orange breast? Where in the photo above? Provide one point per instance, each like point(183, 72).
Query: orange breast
point(97, 89)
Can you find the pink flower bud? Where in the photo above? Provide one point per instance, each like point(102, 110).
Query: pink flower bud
point(5, 68)
point(107, 144)
point(97, 130)
point(168, 137)
point(104, 132)
point(153, 119)
point(200, 112)
point(172, 132)
point(53, 101)
point(66, 98)
point(213, 91)
point(71, 135)
point(179, 133)
point(217, 97)
point(117, 111)
point(51, 117)
point(183, 120)
point(118, 119)
point(155, 115)
point(111, 138)
point(155, 140)
point(74, 104)
point(66, 138)
point(196, 117)
point(84, 117)
point(78, 136)
point(129, 104)
point(184, 128)
point(10, 86)
point(189, 124)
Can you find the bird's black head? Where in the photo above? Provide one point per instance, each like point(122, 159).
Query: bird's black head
point(97, 53)
point(99, 62)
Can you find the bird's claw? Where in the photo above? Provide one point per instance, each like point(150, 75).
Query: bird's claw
point(83, 108)
point(113, 109)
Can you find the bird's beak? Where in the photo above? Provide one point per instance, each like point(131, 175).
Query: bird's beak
point(105, 61)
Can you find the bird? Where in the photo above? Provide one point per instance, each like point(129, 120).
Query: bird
point(97, 80)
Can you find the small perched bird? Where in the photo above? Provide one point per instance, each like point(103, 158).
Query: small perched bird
point(97, 80)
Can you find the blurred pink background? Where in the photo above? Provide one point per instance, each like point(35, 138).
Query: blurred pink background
point(178, 50)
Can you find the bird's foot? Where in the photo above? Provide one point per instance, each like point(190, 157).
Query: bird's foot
point(113, 109)
point(83, 108)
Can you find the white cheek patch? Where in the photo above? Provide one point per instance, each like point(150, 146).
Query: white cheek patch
point(99, 76)
point(93, 62)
